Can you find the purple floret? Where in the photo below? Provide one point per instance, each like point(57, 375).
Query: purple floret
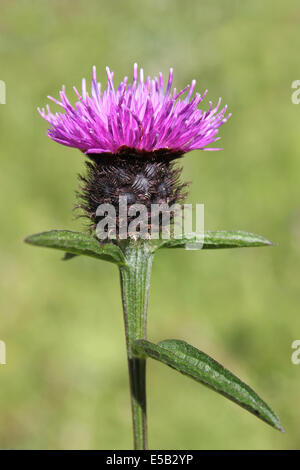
point(141, 116)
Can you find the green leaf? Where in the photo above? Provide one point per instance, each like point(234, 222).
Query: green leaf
point(199, 366)
point(219, 239)
point(77, 243)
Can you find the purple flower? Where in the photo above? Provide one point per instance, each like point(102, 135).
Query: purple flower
point(142, 116)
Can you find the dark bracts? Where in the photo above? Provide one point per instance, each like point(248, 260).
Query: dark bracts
point(143, 178)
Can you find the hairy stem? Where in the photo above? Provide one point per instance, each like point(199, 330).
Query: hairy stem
point(135, 285)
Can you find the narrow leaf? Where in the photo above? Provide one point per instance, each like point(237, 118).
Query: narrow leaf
point(219, 239)
point(77, 243)
point(199, 366)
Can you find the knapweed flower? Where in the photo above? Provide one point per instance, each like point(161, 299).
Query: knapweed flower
point(131, 135)
point(142, 115)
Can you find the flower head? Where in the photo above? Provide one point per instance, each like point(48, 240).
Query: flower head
point(144, 116)
point(132, 135)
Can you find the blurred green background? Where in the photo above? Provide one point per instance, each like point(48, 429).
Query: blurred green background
point(65, 383)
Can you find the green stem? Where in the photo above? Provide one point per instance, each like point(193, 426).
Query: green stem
point(135, 285)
